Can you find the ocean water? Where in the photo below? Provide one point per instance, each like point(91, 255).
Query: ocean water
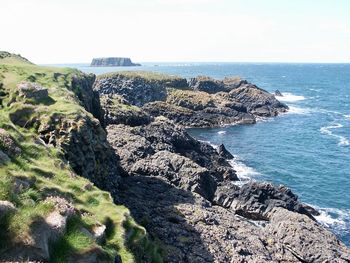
point(306, 149)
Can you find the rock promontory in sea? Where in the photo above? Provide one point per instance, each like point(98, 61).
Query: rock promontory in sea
point(113, 62)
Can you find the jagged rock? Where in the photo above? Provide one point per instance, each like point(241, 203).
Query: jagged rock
point(136, 90)
point(257, 200)
point(179, 171)
point(197, 231)
point(32, 91)
point(118, 111)
point(135, 143)
point(82, 85)
point(307, 240)
point(206, 84)
point(224, 153)
point(85, 147)
point(278, 93)
point(258, 101)
point(112, 62)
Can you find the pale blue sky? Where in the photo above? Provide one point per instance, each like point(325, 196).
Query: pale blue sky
point(60, 31)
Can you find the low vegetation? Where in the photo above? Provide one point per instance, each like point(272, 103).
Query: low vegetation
point(31, 172)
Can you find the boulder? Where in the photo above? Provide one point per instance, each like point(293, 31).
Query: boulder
point(223, 152)
point(32, 91)
point(278, 93)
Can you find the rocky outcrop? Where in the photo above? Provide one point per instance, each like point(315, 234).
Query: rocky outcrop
point(139, 147)
point(117, 110)
point(172, 181)
point(197, 231)
point(200, 102)
point(81, 85)
point(113, 62)
point(258, 101)
point(32, 91)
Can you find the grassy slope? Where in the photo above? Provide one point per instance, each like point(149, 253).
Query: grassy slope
point(44, 167)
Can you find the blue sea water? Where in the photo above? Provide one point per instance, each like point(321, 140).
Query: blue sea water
point(307, 149)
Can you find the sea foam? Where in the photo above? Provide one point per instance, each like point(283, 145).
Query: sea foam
point(336, 219)
point(244, 172)
point(342, 141)
point(289, 97)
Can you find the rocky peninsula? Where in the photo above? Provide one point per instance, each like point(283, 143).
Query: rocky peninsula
point(113, 62)
point(101, 169)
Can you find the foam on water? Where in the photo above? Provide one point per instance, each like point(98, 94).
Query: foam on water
point(244, 172)
point(336, 219)
point(347, 116)
point(342, 141)
point(221, 132)
point(289, 97)
point(298, 110)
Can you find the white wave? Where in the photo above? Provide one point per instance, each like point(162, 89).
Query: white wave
point(347, 116)
point(221, 132)
point(298, 110)
point(343, 141)
point(336, 219)
point(317, 90)
point(289, 97)
point(244, 172)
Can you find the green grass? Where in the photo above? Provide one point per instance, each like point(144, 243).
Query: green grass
point(141, 74)
point(49, 174)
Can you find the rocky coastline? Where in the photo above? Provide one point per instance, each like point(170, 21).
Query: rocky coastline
point(184, 191)
point(171, 198)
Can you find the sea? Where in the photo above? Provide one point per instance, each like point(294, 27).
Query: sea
point(306, 149)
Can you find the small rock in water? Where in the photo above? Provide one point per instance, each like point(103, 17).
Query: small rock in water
point(278, 93)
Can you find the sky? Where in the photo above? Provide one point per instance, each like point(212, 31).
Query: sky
point(75, 31)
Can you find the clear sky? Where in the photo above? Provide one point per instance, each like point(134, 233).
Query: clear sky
point(69, 31)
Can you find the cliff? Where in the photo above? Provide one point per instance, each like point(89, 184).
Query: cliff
point(113, 62)
point(55, 162)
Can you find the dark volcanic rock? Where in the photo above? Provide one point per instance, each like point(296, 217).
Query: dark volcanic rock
point(202, 102)
point(137, 91)
point(163, 149)
point(257, 200)
point(196, 231)
point(179, 171)
point(278, 93)
point(118, 111)
point(113, 62)
point(258, 101)
point(224, 153)
point(82, 87)
point(206, 84)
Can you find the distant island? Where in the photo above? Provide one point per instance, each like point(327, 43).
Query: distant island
point(113, 62)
